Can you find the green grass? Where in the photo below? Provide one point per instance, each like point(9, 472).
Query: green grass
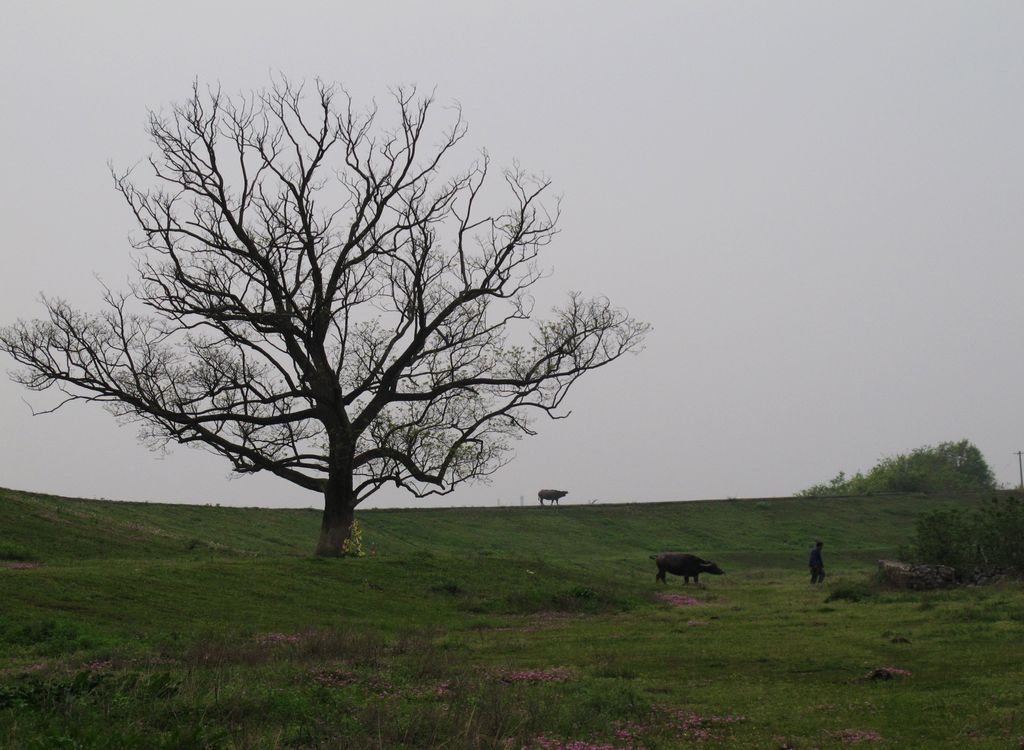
point(157, 626)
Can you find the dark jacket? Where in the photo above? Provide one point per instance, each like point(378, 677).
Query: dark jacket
point(816, 561)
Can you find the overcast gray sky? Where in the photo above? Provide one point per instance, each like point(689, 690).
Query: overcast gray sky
point(818, 206)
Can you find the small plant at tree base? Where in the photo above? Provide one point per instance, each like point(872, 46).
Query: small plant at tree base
point(353, 546)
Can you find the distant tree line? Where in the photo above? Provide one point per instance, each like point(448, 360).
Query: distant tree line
point(946, 467)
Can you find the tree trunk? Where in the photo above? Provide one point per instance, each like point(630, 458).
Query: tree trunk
point(339, 513)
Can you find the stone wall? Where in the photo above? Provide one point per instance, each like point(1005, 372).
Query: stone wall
point(903, 575)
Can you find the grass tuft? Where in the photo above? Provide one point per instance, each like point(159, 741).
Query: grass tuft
point(851, 592)
point(16, 553)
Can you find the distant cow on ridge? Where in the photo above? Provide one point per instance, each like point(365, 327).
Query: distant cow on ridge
point(687, 566)
point(551, 495)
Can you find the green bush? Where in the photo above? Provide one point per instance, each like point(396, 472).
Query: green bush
point(946, 467)
point(999, 534)
point(987, 538)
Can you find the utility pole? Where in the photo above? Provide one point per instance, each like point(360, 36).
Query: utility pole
point(1020, 465)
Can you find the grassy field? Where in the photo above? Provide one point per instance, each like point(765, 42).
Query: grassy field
point(131, 625)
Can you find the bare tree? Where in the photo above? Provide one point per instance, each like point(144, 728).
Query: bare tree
point(318, 299)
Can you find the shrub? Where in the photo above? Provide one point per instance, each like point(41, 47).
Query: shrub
point(999, 534)
point(988, 537)
point(945, 537)
point(946, 467)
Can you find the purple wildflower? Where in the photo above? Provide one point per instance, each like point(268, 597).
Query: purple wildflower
point(551, 743)
point(332, 678)
point(271, 639)
point(558, 674)
point(679, 600)
point(857, 736)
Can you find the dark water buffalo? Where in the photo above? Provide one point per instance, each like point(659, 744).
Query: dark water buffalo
point(687, 566)
point(551, 495)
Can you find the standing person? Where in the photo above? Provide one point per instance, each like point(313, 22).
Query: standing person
point(817, 564)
